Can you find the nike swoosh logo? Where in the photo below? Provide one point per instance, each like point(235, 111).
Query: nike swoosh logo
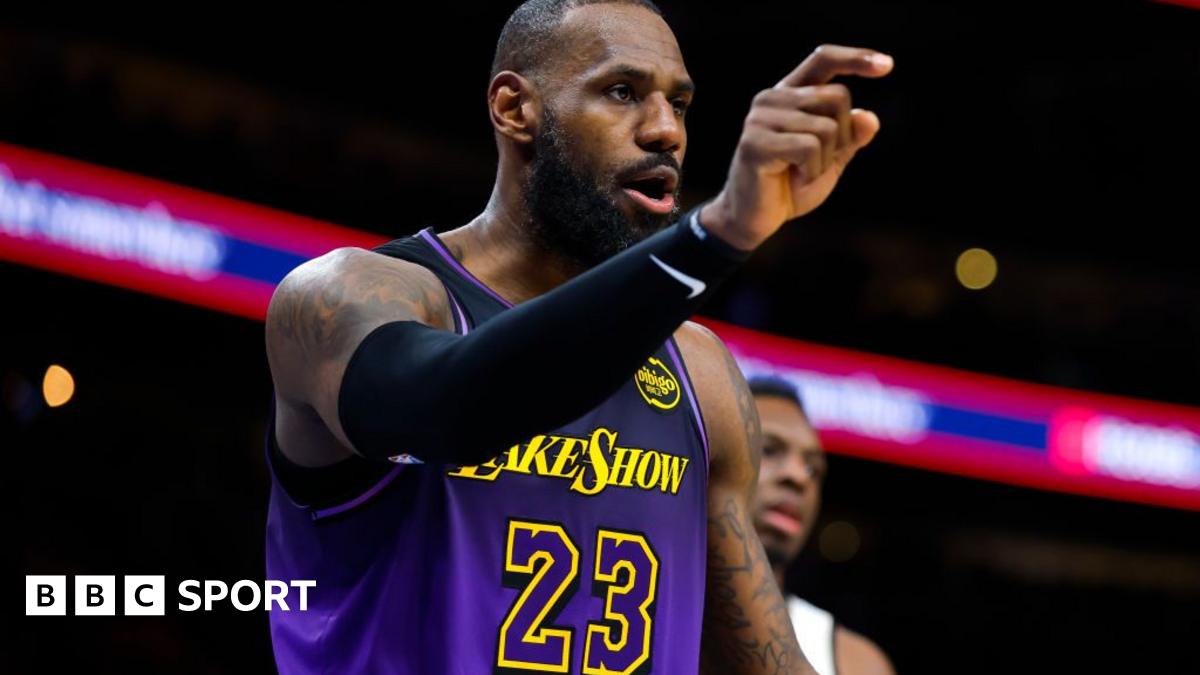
point(693, 283)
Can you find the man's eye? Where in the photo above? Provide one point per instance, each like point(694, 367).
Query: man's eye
point(681, 107)
point(621, 92)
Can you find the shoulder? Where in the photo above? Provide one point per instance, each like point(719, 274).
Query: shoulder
point(730, 418)
point(708, 360)
point(858, 655)
point(323, 308)
point(698, 338)
point(712, 368)
point(348, 265)
point(347, 279)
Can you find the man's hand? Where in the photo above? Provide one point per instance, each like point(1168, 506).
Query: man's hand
point(798, 138)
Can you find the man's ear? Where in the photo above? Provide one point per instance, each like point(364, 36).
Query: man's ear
point(515, 106)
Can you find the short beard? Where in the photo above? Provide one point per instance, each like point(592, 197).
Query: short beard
point(571, 215)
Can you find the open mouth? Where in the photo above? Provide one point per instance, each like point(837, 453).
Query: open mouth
point(783, 520)
point(653, 190)
point(783, 516)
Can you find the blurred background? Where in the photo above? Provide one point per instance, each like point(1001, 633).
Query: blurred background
point(1062, 139)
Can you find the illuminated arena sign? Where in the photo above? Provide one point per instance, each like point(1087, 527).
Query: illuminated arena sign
point(219, 253)
point(987, 427)
point(151, 236)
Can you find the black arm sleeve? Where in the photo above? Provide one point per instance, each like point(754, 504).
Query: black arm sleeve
point(462, 399)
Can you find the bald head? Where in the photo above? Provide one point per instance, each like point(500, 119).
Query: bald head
point(530, 37)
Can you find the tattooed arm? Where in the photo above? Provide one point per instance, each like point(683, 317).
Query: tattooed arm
point(746, 626)
point(317, 317)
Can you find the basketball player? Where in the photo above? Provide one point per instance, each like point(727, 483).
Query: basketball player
point(789, 497)
point(571, 465)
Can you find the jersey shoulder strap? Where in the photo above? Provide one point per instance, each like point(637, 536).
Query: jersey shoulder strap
point(814, 630)
point(471, 299)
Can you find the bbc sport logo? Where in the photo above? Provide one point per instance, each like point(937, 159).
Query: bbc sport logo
point(145, 595)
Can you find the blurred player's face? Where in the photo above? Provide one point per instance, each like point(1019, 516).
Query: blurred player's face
point(608, 156)
point(789, 480)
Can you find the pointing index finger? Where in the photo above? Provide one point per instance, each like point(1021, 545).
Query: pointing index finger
point(828, 61)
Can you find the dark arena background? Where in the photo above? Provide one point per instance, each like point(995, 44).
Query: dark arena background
point(995, 319)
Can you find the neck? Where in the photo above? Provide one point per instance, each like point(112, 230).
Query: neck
point(498, 249)
point(780, 575)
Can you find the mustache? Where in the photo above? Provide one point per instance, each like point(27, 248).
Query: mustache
point(653, 162)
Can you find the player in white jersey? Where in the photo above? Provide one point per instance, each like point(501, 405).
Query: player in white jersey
point(789, 497)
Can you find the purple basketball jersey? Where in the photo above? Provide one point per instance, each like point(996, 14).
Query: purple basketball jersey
point(581, 550)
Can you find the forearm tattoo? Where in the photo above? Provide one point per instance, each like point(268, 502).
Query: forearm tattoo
point(760, 640)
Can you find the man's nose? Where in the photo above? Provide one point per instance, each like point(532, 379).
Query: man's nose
point(798, 471)
point(661, 130)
